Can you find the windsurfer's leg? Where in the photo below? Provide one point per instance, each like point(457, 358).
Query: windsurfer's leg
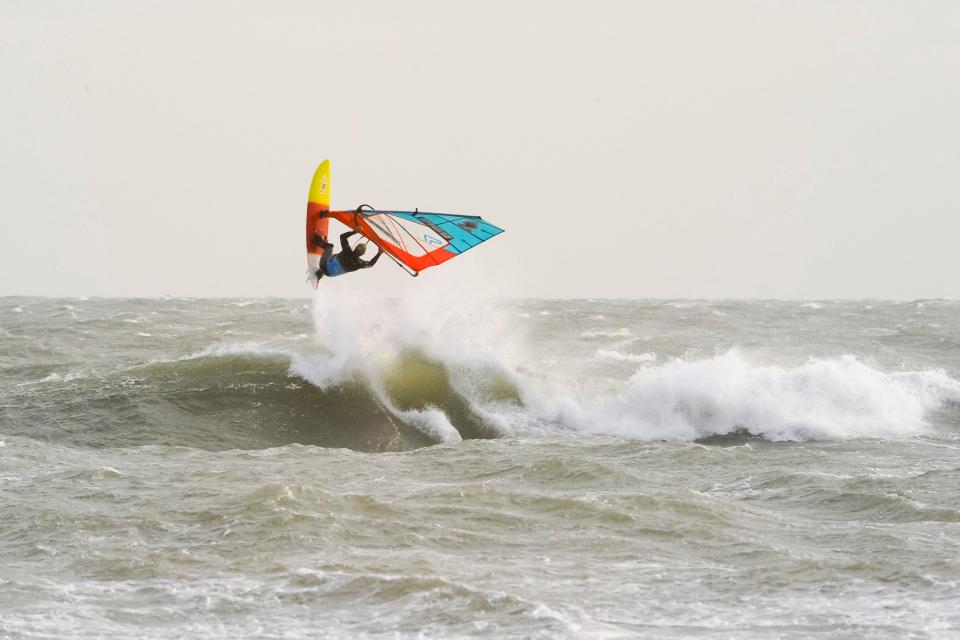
point(325, 256)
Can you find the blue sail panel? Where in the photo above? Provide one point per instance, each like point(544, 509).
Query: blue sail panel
point(421, 234)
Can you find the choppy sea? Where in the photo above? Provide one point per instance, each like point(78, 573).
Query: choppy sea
point(341, 467)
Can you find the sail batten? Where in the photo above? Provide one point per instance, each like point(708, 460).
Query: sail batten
point(423, 239)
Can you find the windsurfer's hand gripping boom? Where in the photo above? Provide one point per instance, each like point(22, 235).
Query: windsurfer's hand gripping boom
point(349, 258)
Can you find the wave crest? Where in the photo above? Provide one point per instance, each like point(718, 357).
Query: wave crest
point(823, 399)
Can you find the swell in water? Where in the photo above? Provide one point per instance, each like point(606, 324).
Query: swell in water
point(157, 484)
point(395, 375)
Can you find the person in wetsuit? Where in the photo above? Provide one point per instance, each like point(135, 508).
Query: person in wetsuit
point(348, 260)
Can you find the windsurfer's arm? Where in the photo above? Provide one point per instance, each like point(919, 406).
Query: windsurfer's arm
point(372, 261)
point(343, 240)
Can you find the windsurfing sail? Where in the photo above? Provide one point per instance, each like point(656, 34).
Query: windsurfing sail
point(418, 240)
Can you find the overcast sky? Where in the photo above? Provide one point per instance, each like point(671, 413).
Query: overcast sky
point(630, 149)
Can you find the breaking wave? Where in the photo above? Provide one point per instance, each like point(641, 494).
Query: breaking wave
point(394, 375)
point(469, 366)
point(823, 399)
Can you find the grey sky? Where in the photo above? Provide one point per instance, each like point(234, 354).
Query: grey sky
point(635, 149)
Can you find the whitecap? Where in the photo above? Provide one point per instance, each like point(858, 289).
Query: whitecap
point(836, 398)
point(626, 357)
point(236, 349)
point(606, 333)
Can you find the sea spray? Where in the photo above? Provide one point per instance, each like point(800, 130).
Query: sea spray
point(460, 348)
point(823, 399)
point(450, 356)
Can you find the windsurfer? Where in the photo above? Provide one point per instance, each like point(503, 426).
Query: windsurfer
point(349, 259)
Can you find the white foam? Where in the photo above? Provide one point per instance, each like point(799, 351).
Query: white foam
point(622, 332)
point(363, 336)
point(823, 399)
point(321, 371)
point(626, 357)
point(237, 349)
point(683, 399)
point(432, 422)
point(56, 376)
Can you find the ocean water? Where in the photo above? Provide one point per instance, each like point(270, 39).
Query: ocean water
point(348, 468)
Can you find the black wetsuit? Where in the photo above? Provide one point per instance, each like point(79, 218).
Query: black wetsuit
point(344, 262)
